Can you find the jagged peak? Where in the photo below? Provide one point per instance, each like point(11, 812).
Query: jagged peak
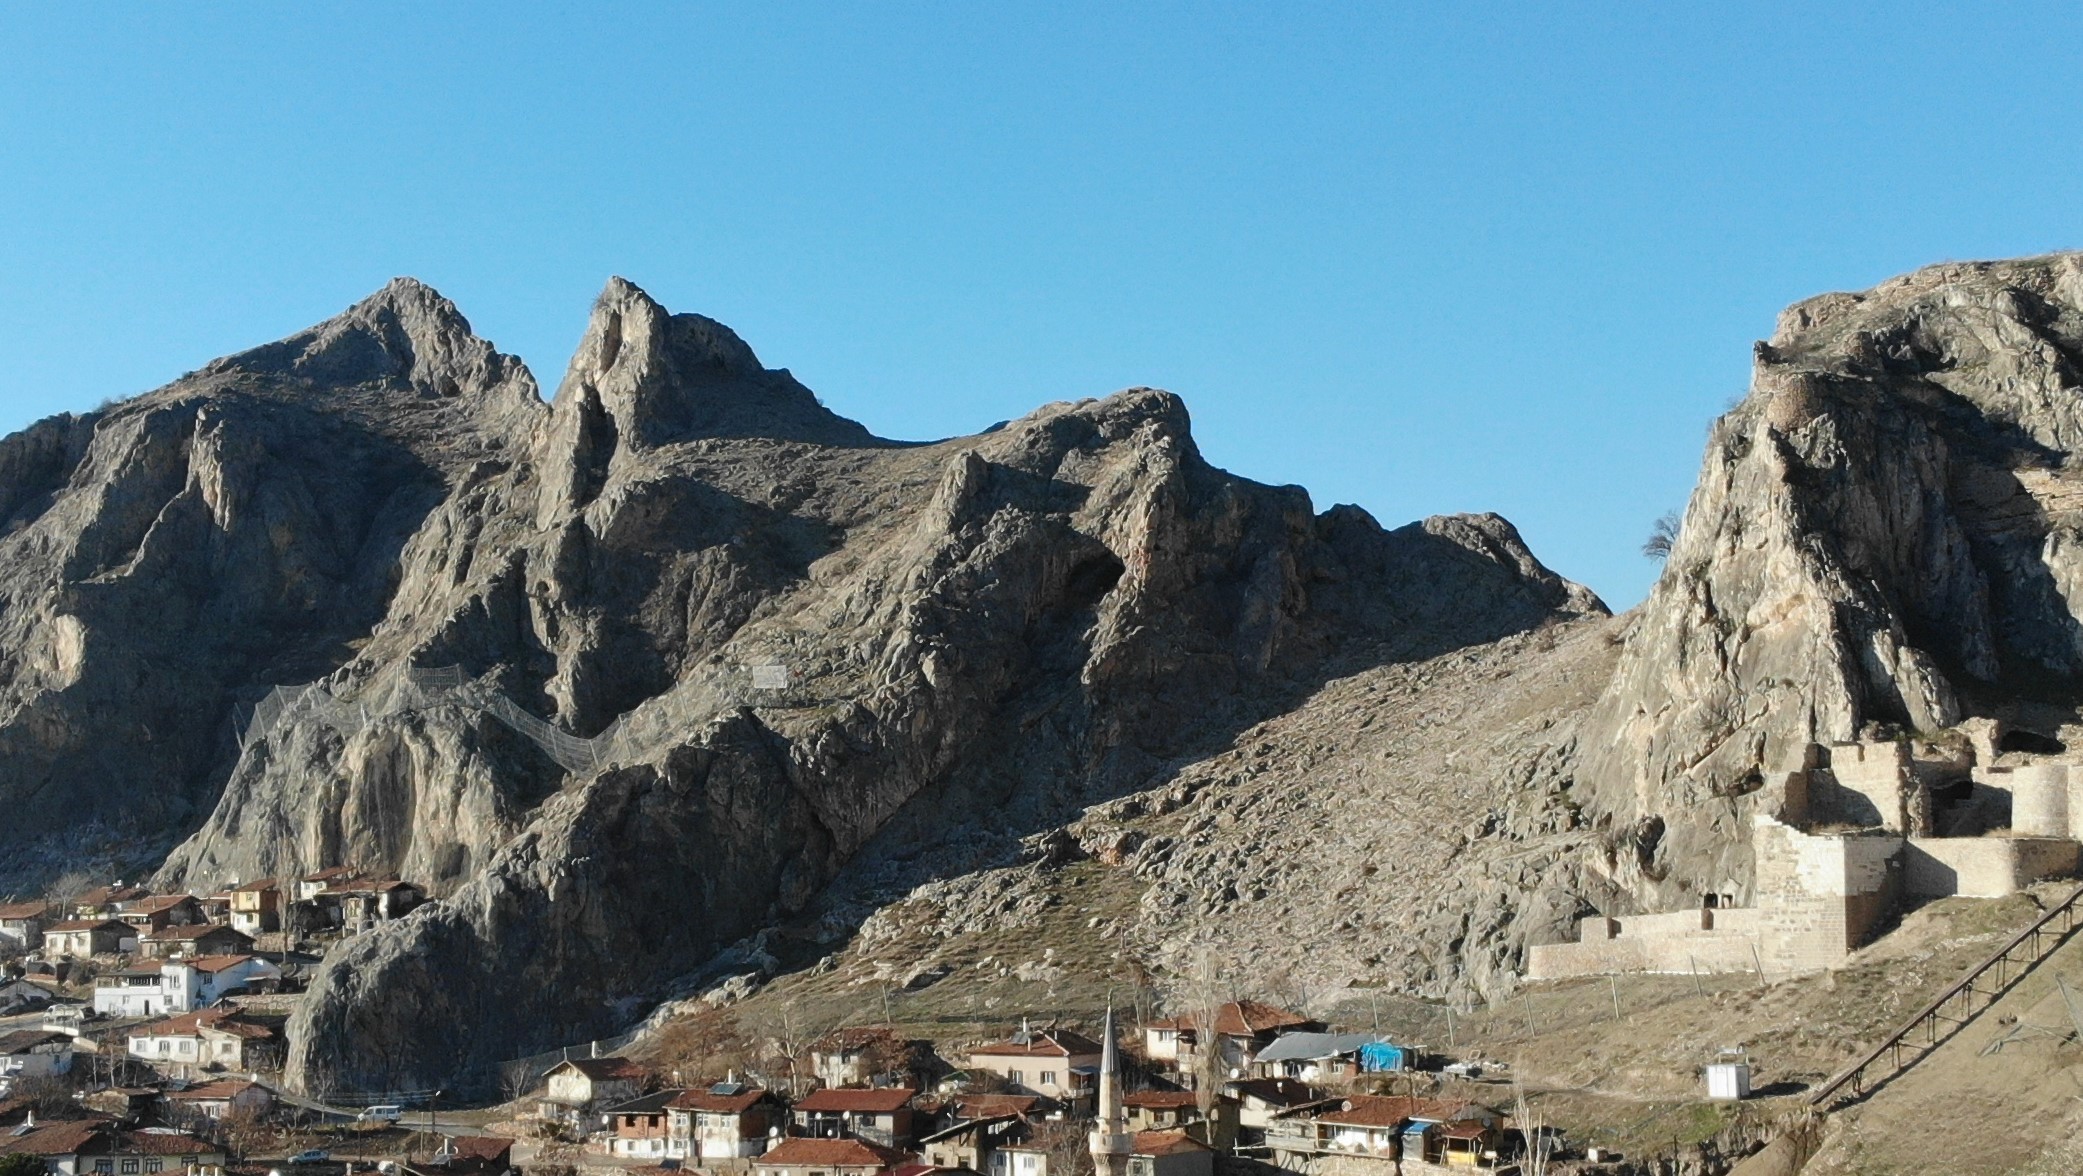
point(668, 378)
point(405, 332)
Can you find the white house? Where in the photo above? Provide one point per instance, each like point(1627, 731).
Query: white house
point(210, 1037)
point(34, 1053)
point(132, 992)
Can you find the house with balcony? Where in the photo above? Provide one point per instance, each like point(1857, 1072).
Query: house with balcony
point(727, 1121)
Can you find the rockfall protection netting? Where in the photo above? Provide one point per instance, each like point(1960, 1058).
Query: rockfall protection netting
point(424, 689)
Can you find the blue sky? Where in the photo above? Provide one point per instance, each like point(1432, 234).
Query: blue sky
point(1423, 261)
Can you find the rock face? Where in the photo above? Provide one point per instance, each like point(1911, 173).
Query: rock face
point(1886, 531)
point(240, 525)
point(632, 676)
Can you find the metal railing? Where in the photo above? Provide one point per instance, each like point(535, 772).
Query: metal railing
point(1982, 986)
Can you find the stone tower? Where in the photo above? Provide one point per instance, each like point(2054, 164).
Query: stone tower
point(1110, 1140)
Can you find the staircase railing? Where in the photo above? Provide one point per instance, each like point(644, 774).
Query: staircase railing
point(1955, 1007)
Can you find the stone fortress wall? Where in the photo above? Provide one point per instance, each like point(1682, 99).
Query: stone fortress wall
point(1842, 842)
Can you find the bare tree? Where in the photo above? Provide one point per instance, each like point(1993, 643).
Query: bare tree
point(516, 1079)
point(1663, 535)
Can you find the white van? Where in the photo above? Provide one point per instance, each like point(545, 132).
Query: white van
point(382, 1114)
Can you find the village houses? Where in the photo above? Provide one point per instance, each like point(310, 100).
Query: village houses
point(34, 1053)
point(157, 912)
point(209, 1038)
point(728, 1121)
point(255, 907)
point(200, 939)
point(1054, 1063)
point(179, 986)
point(21, 923)
point(637, 1127)
point(880, 1115)
point(1239, 1029)
point(225, 1097)
point(576, 1090)
point(828, 1157)
point(93, 1147)
point(85, 938)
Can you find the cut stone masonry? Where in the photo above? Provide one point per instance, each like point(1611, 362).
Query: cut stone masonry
point(1842, 841)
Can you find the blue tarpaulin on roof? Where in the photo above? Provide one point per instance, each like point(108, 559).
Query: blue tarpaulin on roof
point(1376, 1056)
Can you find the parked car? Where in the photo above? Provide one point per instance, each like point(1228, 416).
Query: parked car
point(382, 1114)
point(310, 1155)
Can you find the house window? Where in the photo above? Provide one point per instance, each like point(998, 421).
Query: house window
point(1013, 1076)
point(130, 1167)
point(1048, 1077)
point(1026, 1163)
point(104, 1165)
point(154, 1165)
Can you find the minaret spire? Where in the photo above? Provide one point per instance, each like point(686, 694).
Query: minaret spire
point(1111, 1144)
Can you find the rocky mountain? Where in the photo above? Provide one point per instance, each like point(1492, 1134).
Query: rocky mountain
point(632, 676)
point(682, 674)
point(1886, 531)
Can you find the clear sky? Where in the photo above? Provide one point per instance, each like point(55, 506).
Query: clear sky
point(1507, 260)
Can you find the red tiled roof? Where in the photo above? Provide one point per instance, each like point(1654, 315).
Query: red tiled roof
point(1047, 1043)
point(830, 1153)
point(717, 1104)
point(884, 1099)
point(22, 910)
point(1166, 1143)
point(332, 872)
point(256, 884)
point(86, 925)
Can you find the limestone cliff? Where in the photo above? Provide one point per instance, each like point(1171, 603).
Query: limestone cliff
point(1885, 531)
point(630, 676)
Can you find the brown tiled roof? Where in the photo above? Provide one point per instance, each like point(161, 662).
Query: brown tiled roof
point(222, 1089)
point(1241, 1018)
point(86, 925)
point(1046, 1043)
point(22, 910)
point(717, 1104)
point(1161, 1099)
point(606, 1069)
point(194, 931)
point(857, 1037)
point(155, 1143)
point(990, 1106)
point(484, 1148)
point(256, 884)
point(53, 1139)
point(1166, 1143)
point(102, 895)
point(192, 1025)
point(830, 1153)
point(27, 1039)
point(152, 904)
point(1373, 1110)
point(1284, 1092)
point(1467, 1129)
point(217, 963)
point(332, 872)
point(844, 1098)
